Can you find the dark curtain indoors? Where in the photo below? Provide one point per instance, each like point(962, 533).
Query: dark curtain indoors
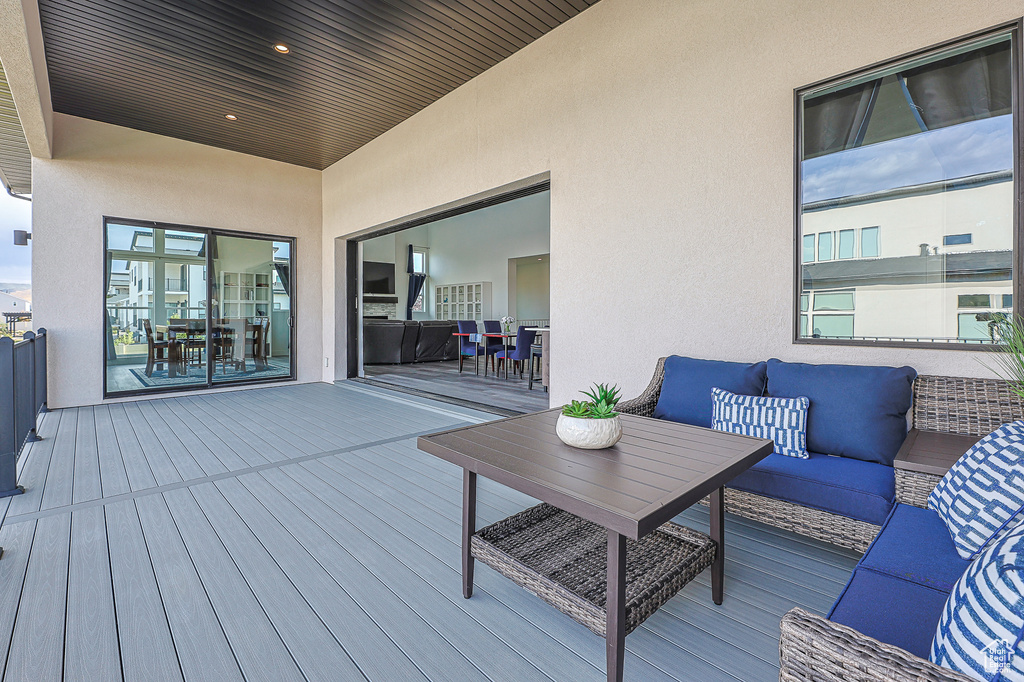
point(416, 282)
point(965, 87)
point(838, 120)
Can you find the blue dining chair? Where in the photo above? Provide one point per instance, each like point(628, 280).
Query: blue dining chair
point(466, 346)
point(492, 345)
point(521, 353)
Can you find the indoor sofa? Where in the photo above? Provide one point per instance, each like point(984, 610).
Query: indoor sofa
point(856, 423)
point(392, 342)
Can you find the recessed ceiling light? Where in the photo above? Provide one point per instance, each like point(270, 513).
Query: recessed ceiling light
point(231, 117)
point(540, 259)
point(281, 48)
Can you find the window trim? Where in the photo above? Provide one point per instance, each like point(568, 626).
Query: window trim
point(1014, 28)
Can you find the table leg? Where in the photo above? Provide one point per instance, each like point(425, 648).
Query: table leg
point(718, 535)
point(468, 528)
point(507, 362)
point(615, 607)
point(476, 359)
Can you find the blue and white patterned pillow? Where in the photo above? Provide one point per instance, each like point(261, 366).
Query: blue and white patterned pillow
point(981, 495)
point(783, 420)
point(980, 628)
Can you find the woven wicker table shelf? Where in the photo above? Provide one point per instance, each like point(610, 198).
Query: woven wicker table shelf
point(562, 559)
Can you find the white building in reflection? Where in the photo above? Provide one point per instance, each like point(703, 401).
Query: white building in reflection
point(930, 261)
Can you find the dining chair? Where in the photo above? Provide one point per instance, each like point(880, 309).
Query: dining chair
point(536, 355)
point(492, 344)
point(224, 334)
point(467, 347)
point(521, 353)
point(158, 351)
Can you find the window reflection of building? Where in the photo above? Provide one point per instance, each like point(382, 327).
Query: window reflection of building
point(907, 201)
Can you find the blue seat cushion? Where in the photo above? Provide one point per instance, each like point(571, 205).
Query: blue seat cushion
point(686, 390)
point(890, 609)
point(915, 545)
point(856, 411)
point(848, 487)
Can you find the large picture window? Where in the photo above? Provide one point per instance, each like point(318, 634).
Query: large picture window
point(906, 186)
point(192, 308)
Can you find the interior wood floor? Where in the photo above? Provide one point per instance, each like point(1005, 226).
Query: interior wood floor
point(296, 533)
point(444, 378)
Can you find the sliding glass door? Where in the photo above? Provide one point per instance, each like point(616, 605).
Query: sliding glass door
point(192, 308)
point(252, 307)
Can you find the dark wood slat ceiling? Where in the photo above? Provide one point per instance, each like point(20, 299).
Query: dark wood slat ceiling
point(355, 68)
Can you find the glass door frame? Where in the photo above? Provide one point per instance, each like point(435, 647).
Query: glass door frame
point(208, 232)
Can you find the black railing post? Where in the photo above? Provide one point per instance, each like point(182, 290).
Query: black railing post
point(30, 339)
point(10, 439)
point(40, 362)
point(8, 431)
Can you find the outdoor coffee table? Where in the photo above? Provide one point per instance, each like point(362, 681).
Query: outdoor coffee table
point(571, 550)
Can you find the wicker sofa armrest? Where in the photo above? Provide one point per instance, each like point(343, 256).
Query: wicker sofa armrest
point(643, 405)
point(914, 487)
point(815, 649)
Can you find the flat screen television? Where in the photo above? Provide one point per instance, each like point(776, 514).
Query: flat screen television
point(378, 278)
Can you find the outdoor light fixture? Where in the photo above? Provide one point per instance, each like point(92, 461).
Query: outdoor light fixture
point(281, 48)
point(231, 117)
point(21, 237)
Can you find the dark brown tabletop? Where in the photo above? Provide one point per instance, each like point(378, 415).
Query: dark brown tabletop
point(931, 452)
point(657, 470)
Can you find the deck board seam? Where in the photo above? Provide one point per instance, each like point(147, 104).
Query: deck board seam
point(21, 595)
point(35, 516)
point(113, 592)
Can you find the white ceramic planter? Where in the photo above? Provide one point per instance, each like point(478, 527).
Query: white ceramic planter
point(589, 434)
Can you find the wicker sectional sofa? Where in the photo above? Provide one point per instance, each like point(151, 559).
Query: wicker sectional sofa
point(911, 551)
point(763, 493)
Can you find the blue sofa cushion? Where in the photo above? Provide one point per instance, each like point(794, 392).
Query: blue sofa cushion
point(856, 411)
point(849, 487)
point(686, 389)
point(915, 545)
point(890, 609)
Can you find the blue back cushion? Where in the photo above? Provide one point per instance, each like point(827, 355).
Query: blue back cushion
point(856, 411)
point(686, 390)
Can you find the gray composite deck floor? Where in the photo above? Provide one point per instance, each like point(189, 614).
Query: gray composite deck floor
point(295, 533)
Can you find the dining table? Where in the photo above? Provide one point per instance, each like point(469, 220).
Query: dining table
point(504, 336)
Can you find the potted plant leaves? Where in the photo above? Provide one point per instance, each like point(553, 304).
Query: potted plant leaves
point(592, 424)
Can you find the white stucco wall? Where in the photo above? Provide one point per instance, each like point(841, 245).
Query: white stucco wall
point(103, 170)
point(667, 128)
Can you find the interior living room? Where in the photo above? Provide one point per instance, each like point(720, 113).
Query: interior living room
point(427, 290)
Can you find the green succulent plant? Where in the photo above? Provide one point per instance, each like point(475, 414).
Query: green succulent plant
point(602, 410)
point(578, 409)
point(602, 393)
point(600, 406)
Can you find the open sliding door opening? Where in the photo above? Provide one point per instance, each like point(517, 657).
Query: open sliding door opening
point(191, 308)
point(438, 301)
